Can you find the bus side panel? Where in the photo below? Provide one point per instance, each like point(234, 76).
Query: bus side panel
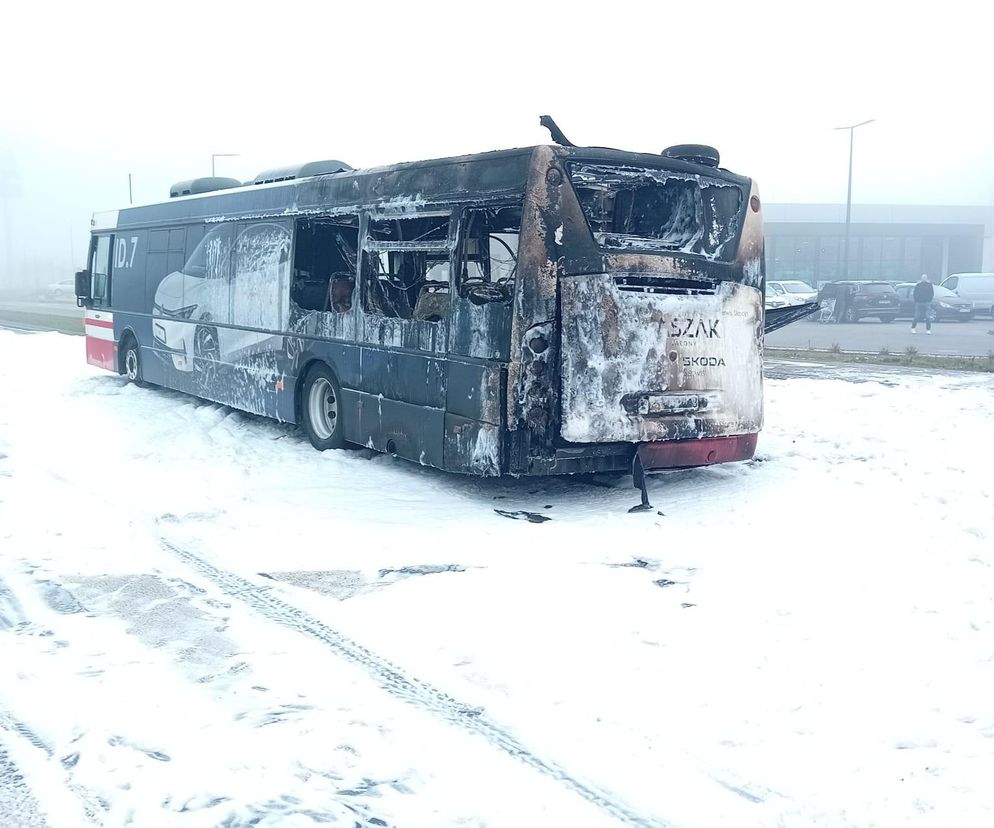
point(472, 447)
point(473, 422)
point(418, 379)
point(413, 432)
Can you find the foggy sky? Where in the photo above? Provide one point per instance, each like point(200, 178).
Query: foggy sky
point(94, 91)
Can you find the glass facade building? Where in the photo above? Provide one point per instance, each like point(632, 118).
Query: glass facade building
point(807, 242)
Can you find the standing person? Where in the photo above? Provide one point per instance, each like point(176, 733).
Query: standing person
point(923, 295)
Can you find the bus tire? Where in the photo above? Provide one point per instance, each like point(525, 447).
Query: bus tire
point(321, 408)
point(131, 361)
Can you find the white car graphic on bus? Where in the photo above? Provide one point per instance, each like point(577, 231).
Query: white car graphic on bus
point(229, 280)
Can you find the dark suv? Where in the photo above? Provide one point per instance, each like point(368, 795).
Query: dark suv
point(854, 300)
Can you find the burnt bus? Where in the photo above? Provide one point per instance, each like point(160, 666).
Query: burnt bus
point(548, 310)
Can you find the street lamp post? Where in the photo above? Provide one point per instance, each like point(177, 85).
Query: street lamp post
point(845, 248)
point(215, 155)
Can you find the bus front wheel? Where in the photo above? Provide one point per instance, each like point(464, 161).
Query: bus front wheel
point(132, 361)
point(321, 407)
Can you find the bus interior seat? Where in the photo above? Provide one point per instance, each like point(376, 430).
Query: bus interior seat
point(387, 299)
point(339, 294)
point(432, 305)
point(309, 290)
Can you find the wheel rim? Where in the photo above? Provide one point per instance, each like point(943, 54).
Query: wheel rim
point(206, 345)
point(131, 364)
point(322, 408)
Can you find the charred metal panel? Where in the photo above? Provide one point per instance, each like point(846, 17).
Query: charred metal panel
point(482, 331)
point(411, 334)
point(413, 432)
point(409, 378)
point(472, 447)
point(552, 224)
point(643, 366)
point(322, 324)
point(751, 255)
point(473, 390)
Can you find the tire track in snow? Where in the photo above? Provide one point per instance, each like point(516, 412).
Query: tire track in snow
point(10, 778)
point(18, 805)
point(407, 688)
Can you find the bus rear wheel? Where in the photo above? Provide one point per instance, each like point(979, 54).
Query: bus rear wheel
point(321, 407)
point(131, 362)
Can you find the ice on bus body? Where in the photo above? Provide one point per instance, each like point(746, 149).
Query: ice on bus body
point(624, 346)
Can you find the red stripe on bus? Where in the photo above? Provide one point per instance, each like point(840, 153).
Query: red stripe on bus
point(102, 353)
point(100, 323)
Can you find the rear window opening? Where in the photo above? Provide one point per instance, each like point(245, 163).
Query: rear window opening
point(651, 210)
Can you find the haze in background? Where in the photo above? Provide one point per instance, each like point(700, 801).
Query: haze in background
point(91, 93)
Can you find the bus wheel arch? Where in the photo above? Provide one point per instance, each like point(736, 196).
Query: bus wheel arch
point(319, 405)
point(129, 358)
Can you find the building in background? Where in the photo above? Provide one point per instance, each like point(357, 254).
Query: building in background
point(886, 241)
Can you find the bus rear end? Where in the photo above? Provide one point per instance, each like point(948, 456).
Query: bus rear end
point(659, 320)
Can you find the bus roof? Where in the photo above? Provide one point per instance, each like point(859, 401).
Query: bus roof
point(489, 176)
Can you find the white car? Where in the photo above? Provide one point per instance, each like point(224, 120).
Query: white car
point(978, 288)
point(795, 292)
point(60, 291)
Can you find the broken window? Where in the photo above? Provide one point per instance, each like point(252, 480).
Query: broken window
point(406, 268)
point(488, 260)
point(647, 209)
point(324, 263)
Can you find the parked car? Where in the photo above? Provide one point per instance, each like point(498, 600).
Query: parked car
point(796, 291)
point(946, 305)
point(858, 300)
point(58, 291)
point(978, 288)
point(773, 300)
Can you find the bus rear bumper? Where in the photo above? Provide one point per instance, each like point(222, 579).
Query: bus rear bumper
point(681, 454)
point(654, 455)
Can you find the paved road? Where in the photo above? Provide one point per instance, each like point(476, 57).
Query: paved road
point(973, 338)
point(42, 316)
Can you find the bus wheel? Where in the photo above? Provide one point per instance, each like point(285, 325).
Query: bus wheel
point(132, 361)
point(206, 353)
point(321, 404)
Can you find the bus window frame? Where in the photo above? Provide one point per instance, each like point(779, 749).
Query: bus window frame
point(370, 246)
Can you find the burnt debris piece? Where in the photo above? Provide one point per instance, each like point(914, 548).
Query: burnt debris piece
point(531, 517)
point(555, 131)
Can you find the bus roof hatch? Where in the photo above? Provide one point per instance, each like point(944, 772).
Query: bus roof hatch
point(328, 167)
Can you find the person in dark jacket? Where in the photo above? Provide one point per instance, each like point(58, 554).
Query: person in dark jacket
point(923, 295)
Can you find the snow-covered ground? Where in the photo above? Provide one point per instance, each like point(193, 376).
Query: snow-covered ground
point(204, 622)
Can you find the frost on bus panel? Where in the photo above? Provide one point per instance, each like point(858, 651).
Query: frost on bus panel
point(629, 358)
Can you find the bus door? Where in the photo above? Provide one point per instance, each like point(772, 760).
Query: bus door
point(405, 284)
point(98, 320)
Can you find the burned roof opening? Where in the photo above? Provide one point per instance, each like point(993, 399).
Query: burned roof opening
point(656, 210)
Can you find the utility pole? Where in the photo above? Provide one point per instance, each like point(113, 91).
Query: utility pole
point(215, 155)
point(130, 198)
point(845, 248)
